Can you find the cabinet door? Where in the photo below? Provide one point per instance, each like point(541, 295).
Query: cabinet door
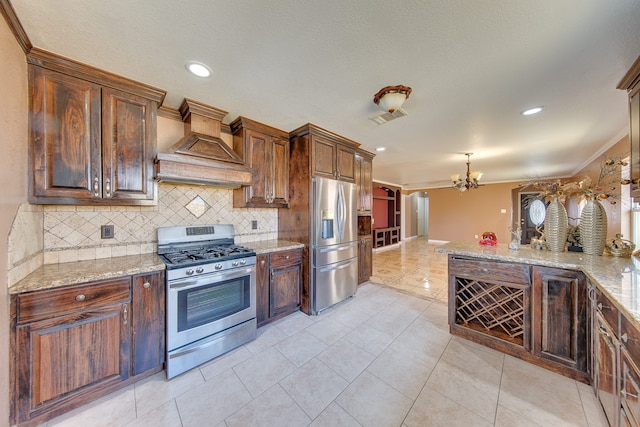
point(365, 264)
point(262, 289)
point(285, 289)
point(64, 136)
point(147, 306)
point(128, 146)
point(67, 357)
point(605, 372)
point(634, 138)
point(346, 163)
point(559, 317)
point(365, 186)
point(629, 388)
point(280, 173)
point(324, 158)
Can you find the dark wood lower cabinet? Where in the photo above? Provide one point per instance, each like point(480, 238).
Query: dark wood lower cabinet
point(535, 313)
point(365, 258)
point(148, 304)
point(73, 344)
point(559, 313)
point(278, 285)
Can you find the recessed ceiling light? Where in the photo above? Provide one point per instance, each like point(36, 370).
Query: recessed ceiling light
point(198, 69)
point(531, 111)
point(381, 148)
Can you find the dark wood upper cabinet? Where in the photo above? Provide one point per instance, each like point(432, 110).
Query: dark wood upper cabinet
point(631, 83)
point(364, 182)
point(265, 150)
point(92, 135)
point(333, 160)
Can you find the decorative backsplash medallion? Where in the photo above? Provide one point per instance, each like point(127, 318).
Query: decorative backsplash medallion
point(197, 207)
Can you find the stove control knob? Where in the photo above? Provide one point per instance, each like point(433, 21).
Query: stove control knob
point(243, 262)
point(189, 272)
point(218, 267)
point(234, 263)
point(199, 270)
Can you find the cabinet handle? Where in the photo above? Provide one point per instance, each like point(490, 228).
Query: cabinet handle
point(108, 186)
point(626, 394)
point(262, 262)
point(604, 332)
point(80, 297)
point(96, 187)
point(600, 306)
point(125, 314)
point(146, 285)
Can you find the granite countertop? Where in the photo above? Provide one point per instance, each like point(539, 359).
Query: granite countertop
point(275, 245)
point(71, 273)
point(617, 277)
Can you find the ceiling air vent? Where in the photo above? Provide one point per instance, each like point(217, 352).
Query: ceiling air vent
point(387, 117)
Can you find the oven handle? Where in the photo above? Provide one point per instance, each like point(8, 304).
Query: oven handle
point(182, 284)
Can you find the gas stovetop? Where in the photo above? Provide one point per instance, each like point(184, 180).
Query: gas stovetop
point(203, 255)
point(186, 246)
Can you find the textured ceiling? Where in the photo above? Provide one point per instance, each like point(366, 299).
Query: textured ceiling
point(473, 66)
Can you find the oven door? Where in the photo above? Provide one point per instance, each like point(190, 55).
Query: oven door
point(198, 307)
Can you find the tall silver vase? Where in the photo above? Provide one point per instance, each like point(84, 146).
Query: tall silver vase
point(593, 227)
point(556, 226)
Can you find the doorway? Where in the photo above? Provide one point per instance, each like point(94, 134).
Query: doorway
point(423, 214)
point(528, 227)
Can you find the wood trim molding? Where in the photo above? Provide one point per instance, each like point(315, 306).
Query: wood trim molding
point(15, 26)
point(313, 129)
point(629, 79)
point(51, 61)
point(169, 113)
point(174, 114)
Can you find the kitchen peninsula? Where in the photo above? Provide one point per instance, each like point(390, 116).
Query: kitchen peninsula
point(575, 314)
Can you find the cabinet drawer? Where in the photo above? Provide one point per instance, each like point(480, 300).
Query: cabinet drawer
point(630, 338)
point(608, 310)
point(490, 271)
point(54, 302)
point(286, 257)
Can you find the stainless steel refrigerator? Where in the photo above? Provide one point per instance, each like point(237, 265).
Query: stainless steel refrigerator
point(334, 245)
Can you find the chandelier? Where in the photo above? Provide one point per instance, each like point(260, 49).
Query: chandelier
point(471, 180)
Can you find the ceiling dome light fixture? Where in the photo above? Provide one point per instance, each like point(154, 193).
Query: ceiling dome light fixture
point(531, 111)
point(390, 98)
point(381, 148)
point(471, 180)
point(198, 69)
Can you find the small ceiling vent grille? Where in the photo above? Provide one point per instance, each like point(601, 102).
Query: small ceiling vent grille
point(387, 117)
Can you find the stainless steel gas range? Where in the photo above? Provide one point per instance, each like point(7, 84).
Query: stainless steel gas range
point(211, 293)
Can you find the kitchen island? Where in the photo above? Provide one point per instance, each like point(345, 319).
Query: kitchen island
point(574, 314)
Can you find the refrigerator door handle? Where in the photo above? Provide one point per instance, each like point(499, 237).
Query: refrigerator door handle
point(341, 212)
point(337, 266)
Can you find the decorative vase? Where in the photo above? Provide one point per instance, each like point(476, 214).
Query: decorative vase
point(556, 226)
point(593, 227)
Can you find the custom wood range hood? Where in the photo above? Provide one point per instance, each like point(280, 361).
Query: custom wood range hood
point(201, 156)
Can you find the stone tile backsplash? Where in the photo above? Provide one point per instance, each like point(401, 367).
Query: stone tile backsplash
point(62, 233)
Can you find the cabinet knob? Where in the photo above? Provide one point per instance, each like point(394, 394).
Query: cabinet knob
point(286, 257)
point(80, 297)
point(146, 285)
point(262, 262)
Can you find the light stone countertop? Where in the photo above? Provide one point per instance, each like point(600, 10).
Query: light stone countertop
point(617, 277)
point(71, 273)
point(275, 245)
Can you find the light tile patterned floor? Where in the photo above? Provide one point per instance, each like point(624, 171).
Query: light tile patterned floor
point(383, 358)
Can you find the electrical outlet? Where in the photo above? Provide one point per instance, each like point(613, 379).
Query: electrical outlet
point(106, 231)
point(254, 224)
